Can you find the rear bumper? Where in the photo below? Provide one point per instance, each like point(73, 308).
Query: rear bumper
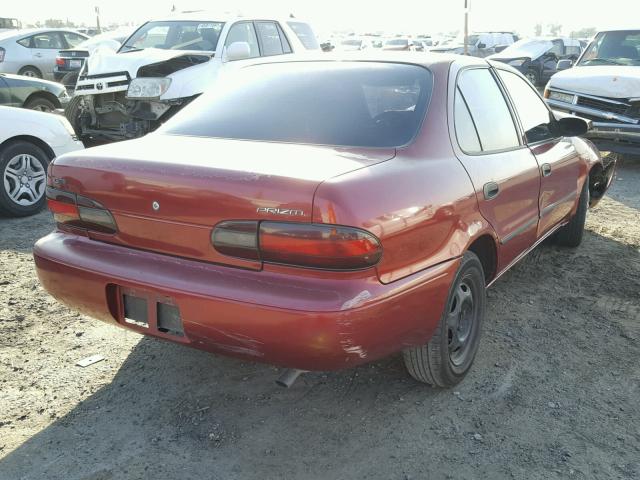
point(320, 322)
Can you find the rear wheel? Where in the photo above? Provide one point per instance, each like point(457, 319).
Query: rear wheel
point(449, 354)
point(40, 104)
point(30, 72)
point(571, 234)
point(23, 167)
point(533, 77)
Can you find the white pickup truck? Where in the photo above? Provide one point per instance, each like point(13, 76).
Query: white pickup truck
point(168, 62)
point(604, 86)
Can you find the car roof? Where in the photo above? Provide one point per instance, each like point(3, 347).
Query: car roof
point(27, 32)
point(206, 15)
point(416, 58)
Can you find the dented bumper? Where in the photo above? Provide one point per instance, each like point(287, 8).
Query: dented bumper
point(315, 321)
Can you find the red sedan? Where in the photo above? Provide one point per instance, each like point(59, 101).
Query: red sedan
point(322, 214)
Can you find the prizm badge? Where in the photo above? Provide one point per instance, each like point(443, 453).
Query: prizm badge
point(281, 211)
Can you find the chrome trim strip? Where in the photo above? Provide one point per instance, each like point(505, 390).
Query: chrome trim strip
point(573, 195)
point(519, 231)
point(592, 111)
point(593, 97)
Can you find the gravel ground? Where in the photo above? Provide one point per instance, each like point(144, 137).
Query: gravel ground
point(553, 393)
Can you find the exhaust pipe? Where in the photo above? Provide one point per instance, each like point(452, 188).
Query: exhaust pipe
point(288, 377)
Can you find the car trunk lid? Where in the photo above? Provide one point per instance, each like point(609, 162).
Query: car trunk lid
point(167, 192)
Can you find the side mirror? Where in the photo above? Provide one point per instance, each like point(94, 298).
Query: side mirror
point(571, 126)
point(238, 51)
point(564, 64)
point(482, 45)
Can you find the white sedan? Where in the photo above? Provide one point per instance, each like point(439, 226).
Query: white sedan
point(29, 141)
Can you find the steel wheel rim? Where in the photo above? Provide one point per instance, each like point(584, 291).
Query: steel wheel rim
point(30, 73)
point(42, 108)
point(24, 180)
point(531, 77)
point(462, 323)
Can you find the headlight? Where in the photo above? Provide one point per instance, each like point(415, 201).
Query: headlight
point(67, 126)
point(518, 62)
point(148, 87)
point(561, 97)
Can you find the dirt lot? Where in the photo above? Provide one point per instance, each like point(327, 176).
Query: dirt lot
point(554, 392)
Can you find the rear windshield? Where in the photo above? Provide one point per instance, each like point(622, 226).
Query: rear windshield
point(357, 104)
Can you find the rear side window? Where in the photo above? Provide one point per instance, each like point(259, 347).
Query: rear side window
point(534, 115)
point(25, 42)
point(489, 110)
point(270, 38)
point(305, 34)
point(466, 132)
point(358, 104)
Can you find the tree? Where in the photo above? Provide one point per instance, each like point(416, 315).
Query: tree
point(584, 33)
point(54, 23)
point(538, 30)
point(554, 29)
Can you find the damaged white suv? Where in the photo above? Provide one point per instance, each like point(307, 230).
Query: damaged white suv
point(167, 63)
point(604, 86)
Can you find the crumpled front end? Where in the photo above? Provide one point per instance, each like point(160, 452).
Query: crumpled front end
point(108, 108)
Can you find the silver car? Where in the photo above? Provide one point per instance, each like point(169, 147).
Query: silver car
point(33, 52)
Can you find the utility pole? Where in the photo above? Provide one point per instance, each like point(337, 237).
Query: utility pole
point(466, 27)
point(97, 9)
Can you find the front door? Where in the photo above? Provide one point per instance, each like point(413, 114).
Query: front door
point(503, 170)
point(559, 162)
point(44, 50)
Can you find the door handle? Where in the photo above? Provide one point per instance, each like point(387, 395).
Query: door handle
point(37, 55)
point(491, 190)
point(546, 169)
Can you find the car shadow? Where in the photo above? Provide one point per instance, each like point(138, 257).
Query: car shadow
point(174, 412)
point(626, 183)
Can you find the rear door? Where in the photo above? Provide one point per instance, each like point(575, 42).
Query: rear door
point(503, 170)
point(44, 50)
point(558, 159)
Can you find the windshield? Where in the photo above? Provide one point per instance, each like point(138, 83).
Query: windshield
point(175, 35)
point(356, 104)
point(527, 48)
point(613, 48)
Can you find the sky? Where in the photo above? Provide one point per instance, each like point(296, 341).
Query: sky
point(397, 16)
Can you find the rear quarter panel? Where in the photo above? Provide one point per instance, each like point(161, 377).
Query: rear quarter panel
point(421, 205)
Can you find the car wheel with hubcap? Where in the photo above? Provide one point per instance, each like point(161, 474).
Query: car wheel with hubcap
point(532, 76)
point(40, 104)
point(30, 72)
point(23, 167)
point(447, 357)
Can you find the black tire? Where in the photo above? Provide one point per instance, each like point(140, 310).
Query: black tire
point(533, 77)
point(439, 362)
point(8, 206)
point(571, 234)
point(30, 72)
point(69, 80)
point(73, 111)
point(41, 104)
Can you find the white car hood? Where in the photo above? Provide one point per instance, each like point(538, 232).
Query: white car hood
point(604, 81)
point(107, 61)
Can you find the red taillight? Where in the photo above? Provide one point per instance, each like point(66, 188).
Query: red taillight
point(80, 212)
point(323, 246)
point(60, 61)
